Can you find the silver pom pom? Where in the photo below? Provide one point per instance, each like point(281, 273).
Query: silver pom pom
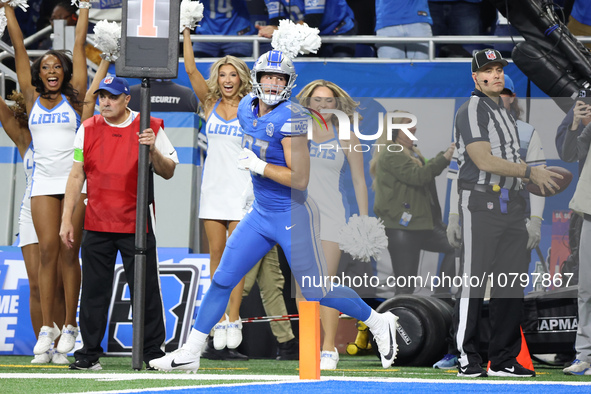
point(107, 36)
point(191, 14)
point(22, 4)
point(295, 39)
point(2, 21)
point(363, 237)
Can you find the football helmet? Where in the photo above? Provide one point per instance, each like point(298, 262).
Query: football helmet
point(273, 62)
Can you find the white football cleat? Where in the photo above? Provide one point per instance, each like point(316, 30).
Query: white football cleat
point(386, 339)
point(179, 360)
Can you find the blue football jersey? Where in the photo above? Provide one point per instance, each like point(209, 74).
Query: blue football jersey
point(263, 135)
point(225, 17)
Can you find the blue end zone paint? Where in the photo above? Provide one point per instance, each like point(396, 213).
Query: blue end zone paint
point(389, 387)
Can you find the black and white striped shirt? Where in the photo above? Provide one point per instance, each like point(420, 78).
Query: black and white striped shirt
point(481, 119)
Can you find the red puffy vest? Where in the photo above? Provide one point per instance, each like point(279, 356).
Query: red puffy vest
point(111, 167)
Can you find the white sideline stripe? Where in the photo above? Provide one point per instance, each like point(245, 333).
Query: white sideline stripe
point(268, 378)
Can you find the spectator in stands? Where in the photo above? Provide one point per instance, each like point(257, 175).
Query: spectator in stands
point(579, 22)
point(571, 127)
point(224, 19)
point(165, 96)
point(456, 18)
point(331, 17)
point(64, 10)
point(408, 18)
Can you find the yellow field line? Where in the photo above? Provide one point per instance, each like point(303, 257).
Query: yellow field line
point(34, 366)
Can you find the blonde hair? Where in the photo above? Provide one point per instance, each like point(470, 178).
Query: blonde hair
point(345, 103)
point(377, 151)
point(19, 108)
point(214, 91)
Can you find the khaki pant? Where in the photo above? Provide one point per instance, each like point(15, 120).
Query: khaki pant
point(579, 29)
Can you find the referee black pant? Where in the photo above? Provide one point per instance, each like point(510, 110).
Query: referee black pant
point(99, 252)
point(494, 243)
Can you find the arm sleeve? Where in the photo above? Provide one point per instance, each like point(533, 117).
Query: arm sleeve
point(273, 7)
point(452, 171)
point(407, 171)
point(165, 147)
point(584, 141)
point(454, 197)
point(297, 121)
point(536, 205)
point(564, 138)
point(569, 146)
point(472, 122)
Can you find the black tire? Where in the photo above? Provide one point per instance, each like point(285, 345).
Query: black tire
point(423, 329)
point(445, 308)
point(446, 311)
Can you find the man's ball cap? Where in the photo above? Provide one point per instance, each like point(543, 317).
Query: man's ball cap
point(114, 85)
point(486, 56)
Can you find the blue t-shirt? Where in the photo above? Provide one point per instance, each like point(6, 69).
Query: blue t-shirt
point(285, 9)
point(336, 14)
point(401, 12)
point(263, 135)
point(227, 18)
point(582, 11)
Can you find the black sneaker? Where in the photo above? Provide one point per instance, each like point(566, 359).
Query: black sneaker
point(233, 354)
point(211, 353)
point(289, 350)
point(512, 371)
point(86, 365)
point(471, 371)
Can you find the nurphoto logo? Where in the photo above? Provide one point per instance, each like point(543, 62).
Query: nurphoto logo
point(344, 128)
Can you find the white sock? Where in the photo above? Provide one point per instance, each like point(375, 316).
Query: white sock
point(196, 341)
point(374, 321)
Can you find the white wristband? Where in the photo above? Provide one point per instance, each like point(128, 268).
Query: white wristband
point(258, 166)
point(85, 4)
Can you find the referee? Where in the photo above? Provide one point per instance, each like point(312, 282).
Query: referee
point(492, 212)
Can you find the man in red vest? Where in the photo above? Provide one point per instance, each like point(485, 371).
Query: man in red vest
point(106, 156)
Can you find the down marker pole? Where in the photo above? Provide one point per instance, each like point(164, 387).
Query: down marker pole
point(310, 340)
